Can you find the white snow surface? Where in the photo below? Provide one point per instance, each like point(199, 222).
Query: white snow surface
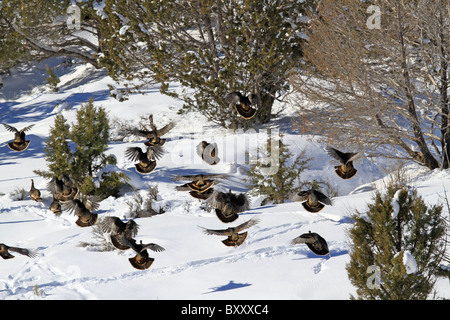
point(410, 262)
point(194, 265)
point(395, 205)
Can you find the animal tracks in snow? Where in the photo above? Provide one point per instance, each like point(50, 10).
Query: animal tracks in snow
point(24, 284)
point(267, 241)
point(52, 280)
point(318, 267)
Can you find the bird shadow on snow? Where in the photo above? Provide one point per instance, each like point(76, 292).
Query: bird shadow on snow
point(167, 175)
point(22, 221)
point(311, 255)
point(256, 210)
point(83, 97)
point(229, 286)
point(164, 174)
point(26, 76)
point(16, 112)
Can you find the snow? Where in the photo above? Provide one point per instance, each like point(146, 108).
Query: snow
point(395, 204)
point(123, 30)
point(194, 265)
point(410, 262)
point(98, 7)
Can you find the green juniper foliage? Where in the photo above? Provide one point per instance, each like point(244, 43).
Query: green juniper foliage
point(58, 154)
point(34, 30)
point(91, 135)
point(12, 51)
point(52, 79)
point(397, 224)
point(279, 185)
point(210, 47)
point(87, 163)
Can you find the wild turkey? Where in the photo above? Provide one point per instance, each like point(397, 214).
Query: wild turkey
point(5, 254)
point(35, 194)
point(315, 243)
point(62, 189)
point(201, 185)
point(120, 231)
point(147, 160)
point(346, 170)
point(227, 205)
point(55, 207)
point(19, 143)
point(82, 207)
point(208, 152)
point(153, 134)
point(234, 237)
point(56, 187)
point(312, 200)
point(243, 104)
point(142, 260)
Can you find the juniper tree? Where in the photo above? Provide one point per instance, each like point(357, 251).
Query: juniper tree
point(38, 29)
point(276, 174)
point(12, 51)
point(397, 246)
point(212, 47)
point(86, 162)
point(382, 87)
point(91, 135)
point(58, 154)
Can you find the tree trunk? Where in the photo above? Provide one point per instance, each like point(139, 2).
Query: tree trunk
point(444, 101)
point(61, 49)
point(265, 109)
point(427, 158)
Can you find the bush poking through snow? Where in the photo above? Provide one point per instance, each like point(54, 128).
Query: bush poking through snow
point(101, 240)
point(140, 207)
point(18, 194)
point(38, 292)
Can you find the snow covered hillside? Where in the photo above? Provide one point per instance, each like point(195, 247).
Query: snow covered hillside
point(194, 265)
